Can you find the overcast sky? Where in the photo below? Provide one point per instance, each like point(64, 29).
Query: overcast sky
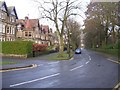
point(30, 8)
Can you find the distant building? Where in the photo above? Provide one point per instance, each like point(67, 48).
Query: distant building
point(8, 17)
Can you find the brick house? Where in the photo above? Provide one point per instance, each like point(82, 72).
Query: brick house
point(30, 29)
point(8, 17)
point(45, 34)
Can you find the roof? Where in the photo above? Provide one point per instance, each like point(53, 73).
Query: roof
point(11, 9)
point(45, 28)
point(20, 21)
point(1, 3)
point(30, 23)
point(8, 9)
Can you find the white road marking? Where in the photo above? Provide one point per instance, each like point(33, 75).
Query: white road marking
point(71, 58)
point(116, 87)
point(39, 65)
point(113, 61)
point(54, 62)
point(89, 58)
point(76, 68)
point(109, 59)
point(87, 62)
point(26, 82)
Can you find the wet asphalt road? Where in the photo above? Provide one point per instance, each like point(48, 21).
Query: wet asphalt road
point(86, 70)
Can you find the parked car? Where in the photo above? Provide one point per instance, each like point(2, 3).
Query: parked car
point(78, 51)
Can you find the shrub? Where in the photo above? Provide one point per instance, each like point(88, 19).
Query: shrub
point(17, 47)
point(39, 47)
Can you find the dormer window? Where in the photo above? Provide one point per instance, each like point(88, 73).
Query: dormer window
point(12, 19)
point(3, 8)
point(3, 15)
point(19, 27)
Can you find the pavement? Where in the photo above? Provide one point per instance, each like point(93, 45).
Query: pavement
point(18, 66)
point(22, 62)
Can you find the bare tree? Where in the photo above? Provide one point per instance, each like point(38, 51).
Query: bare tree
point(73, 27)
point(59, 11)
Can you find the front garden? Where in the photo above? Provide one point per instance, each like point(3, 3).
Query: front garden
point(26, 49)
point(22, 48)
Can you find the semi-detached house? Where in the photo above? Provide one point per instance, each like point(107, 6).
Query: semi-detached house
point(31, 30)
point(8, 17)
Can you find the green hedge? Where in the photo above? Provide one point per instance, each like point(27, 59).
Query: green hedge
point(0, 47)
point(111, 46)
point(108, 51)
point(17, 47)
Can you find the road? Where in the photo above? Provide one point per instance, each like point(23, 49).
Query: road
point(86, 70)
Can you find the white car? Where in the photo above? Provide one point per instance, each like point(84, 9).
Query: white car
point(78, 51)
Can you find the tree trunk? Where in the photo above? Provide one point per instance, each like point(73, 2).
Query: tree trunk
point(113, 36)
point(61, 45)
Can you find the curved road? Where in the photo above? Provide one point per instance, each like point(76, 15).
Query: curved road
point(87, 70)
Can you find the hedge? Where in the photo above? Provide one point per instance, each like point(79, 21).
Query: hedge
point(108, 51)
point(17, 47)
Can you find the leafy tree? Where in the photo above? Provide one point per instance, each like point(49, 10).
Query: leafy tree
point(100, 16)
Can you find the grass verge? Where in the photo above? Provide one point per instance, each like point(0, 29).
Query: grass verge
point(109, 52)
point(64, 56)
point(113, 52)
point(6, 63)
